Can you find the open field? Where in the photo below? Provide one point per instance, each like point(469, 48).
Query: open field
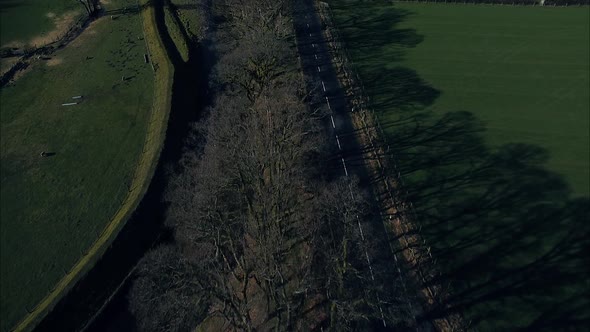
point(53, 208)
point(22, 22)
point(486, 109)
point(526, 80)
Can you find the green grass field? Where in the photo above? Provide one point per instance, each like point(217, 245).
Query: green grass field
point(487, 112)
point(53, 208)
point(39, 15)
point(523, 71)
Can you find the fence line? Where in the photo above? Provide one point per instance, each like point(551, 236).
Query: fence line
point(544, 3)
point(414, 246)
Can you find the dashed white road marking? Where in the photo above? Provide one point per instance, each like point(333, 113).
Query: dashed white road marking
point(382, 316)
point(370, 266)
point(350, 188)
point(359, 223)
point(346, 172)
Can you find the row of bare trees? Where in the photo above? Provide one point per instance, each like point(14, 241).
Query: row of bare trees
point(264, 237)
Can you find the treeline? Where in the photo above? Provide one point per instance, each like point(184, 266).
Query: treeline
point(264, 236)
point(511, 2)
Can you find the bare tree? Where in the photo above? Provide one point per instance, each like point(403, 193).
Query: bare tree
point(164, 296)
point(243, 200)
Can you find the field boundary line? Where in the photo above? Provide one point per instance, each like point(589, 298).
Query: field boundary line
point(398, 213)
point(144, 171)
point(512, 3)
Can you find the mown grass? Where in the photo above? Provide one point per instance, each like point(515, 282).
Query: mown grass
point(486, 109)
point(21, 20)
point(53, 208)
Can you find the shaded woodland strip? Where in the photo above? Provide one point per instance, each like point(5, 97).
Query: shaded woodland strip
point(265, 236)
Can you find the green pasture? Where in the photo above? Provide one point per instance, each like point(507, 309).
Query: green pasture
point(524, 71)
point(53, 208)
point(21, 20)
point(486, 108)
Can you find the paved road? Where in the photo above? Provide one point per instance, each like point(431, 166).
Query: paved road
point(382, 266)
point(317, 65)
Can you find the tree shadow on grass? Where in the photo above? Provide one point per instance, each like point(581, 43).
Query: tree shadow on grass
point(399, 88)
point(6, 5)
point(509, 238)
point(377, 43)
point(363, 29)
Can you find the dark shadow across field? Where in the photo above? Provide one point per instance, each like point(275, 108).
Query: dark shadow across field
point(5, 5)
point(510, 241)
